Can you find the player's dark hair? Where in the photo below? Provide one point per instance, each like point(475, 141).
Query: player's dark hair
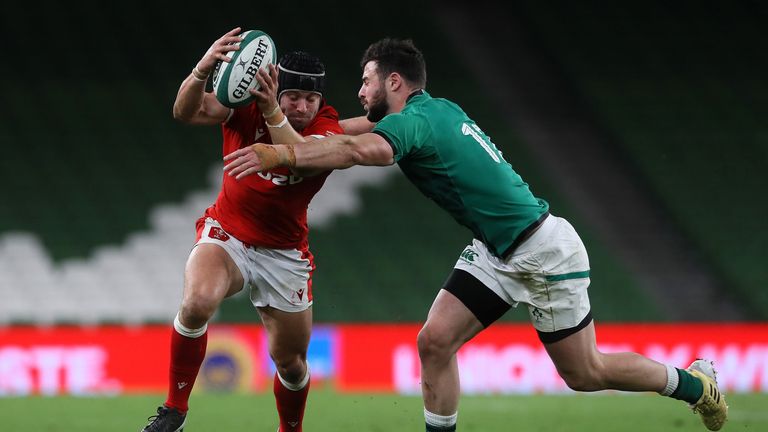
point(300, 70)
point(397, 55)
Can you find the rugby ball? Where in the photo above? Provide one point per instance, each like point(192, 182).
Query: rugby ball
point(233, 79)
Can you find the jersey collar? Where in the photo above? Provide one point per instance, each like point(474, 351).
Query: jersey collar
point(418, 92)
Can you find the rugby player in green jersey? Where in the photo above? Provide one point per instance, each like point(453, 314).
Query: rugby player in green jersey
point(520, 253)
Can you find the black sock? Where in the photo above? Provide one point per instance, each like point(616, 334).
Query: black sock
point(431, 428)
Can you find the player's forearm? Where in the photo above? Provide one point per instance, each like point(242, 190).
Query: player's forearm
point(280, 129)
point(335, 152)
point(304, 159)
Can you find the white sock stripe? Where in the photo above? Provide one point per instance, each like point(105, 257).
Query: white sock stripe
point(304, 380)
point(440, 420)
point(188, 332)
point(295, 387)
point(672, 381)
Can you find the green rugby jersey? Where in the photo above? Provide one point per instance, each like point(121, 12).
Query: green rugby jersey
point(453, 162)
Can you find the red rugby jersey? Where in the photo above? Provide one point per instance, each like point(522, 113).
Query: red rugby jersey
point(268, 209)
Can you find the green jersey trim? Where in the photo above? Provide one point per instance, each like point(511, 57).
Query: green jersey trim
point(568, 276)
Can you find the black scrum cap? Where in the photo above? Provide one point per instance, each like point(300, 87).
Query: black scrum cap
point(300, 70)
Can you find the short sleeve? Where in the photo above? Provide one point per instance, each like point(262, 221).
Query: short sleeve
point(405, 133)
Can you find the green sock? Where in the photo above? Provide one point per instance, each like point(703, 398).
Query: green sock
point(689, 387)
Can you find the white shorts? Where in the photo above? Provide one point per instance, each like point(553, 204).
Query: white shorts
point(280, 278)
point(549, 272)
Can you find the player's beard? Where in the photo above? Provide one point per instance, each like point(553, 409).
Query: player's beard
point(378, 107)
point(299, 121)
point(298, 124)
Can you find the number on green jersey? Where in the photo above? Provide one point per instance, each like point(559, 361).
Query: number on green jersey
point(475, 132)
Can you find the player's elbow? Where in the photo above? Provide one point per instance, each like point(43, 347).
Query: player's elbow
point(181, 115)
point(356, 157)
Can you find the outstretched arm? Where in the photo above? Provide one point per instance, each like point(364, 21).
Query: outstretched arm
point(335, 152)
point(193, 105)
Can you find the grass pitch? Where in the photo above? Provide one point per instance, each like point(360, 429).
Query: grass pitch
point(329, 411)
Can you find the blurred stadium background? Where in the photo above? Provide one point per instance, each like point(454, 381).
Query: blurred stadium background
point(643, 123)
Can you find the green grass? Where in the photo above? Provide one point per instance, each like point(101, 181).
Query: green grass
point(329, 411)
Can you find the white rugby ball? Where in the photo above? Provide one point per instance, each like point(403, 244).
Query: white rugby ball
point(233, 79)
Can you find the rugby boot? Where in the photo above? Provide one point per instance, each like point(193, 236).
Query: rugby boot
point(166, 420)
point(711, 405)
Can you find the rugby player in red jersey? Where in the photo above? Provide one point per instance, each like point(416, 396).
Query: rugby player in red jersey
point(255, 234)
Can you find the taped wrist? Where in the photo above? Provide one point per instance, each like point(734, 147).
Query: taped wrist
point(272, 112)
point(279, 124)
point(274, 156)
point(199, 75)
point(290, 156)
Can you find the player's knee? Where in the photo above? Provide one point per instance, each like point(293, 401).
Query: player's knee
point(583, 379)
point(198, 310)
point(434, 344)
point(291, 368)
